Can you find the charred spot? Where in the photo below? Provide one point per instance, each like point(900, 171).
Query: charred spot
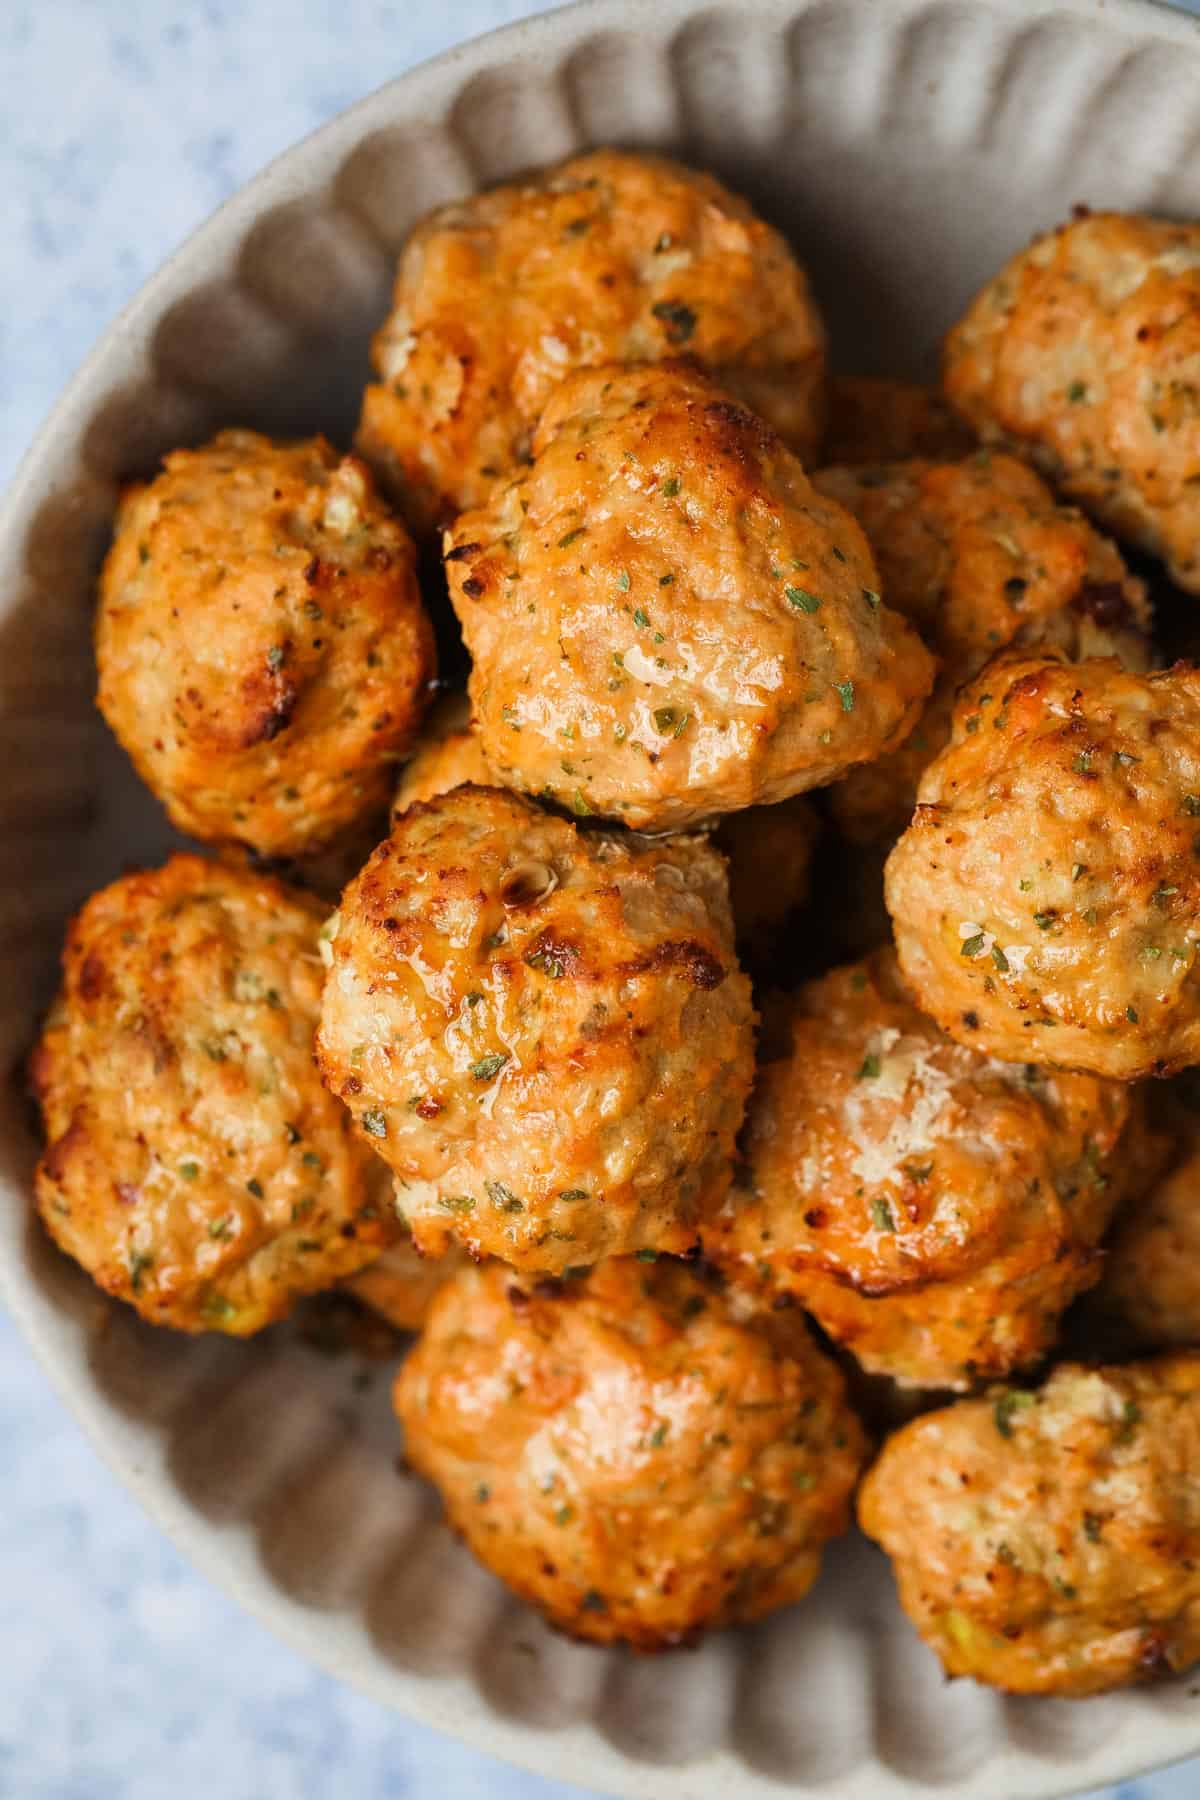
point(694, 961)
point(783, 1302)
point(548, 1287)
point(472, 586)
point(351, 1085)
point(1153, 1654)
point(971, 1021)
point(91, 978)
point(461, 552)
point(816, 1218)
point(556, 954)
point(516, 1296)
point(428, 1108)
point(1105, 603)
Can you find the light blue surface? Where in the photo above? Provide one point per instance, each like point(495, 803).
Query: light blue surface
point(123, 1676)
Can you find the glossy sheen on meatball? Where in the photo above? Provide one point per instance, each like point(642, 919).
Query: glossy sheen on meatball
point(608, 258)
point(1049, 1543)
point(666, 620)
point(873, 419)
point(627, 1455)
point(401, 1285)
point(195, 1165)
point(1083, 352)
point(545, 1034)
point(263, 651)
point(448, 755)
point(934, 1210)
point(1046, 897)
point(978, 554)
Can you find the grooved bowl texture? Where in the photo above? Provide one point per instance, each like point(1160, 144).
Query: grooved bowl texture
point(907, 147)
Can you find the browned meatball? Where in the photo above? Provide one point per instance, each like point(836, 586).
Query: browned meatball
point(934, 1210)
point(978, 554)
point(610, 257)
point(1046, 897)
point(625, 1452)
point(1048, 1543)
point(667, 622)
point(195, 1165)
point(545, 1034)
point(876, 420)
point(1083, 352)
point(401, 1285)
point(264, 654)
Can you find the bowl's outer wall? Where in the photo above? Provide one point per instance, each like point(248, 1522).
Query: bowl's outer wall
point(907, 146)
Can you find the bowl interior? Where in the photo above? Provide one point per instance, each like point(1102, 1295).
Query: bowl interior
point(907, 147)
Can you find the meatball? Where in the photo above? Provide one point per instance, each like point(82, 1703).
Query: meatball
point(610, 257)
point(625, 1452)
point(1047, 1543)
point(1082, 352)
point(666, 620)
point(194, 1164)
point(934, 1210)
point(447, 756)
point(1045, 897)
point(978, 554)
point(545, 1034)
point(263, 651)
point(875, 420)
point(401, 1285)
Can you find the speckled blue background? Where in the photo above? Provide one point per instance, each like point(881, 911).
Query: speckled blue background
point(123, 1676)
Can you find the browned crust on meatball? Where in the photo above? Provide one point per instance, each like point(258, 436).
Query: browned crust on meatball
point(934, 1210)
point(264, 655)
point(627, 1455)
point(1082, 353)
point(194, 1164)
point(610, 257)
point(544, 1033)
point(1046, 897)
point(666, 620)
point(1047, 1543)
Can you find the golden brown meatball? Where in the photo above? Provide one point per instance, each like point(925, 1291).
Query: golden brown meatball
point(934, 1210)
point(1048, 1543)
point(978, 555)
point(545, 1034)
point(264, 654)
point(195, 1165)
point(1083, 352)
point(666, 620)
point(1045, 897)
point(401, 1285)
point(608, 258)
point(876, 420)
point(623, 1451)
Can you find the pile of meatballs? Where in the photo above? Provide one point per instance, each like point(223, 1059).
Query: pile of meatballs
point(682, 1251)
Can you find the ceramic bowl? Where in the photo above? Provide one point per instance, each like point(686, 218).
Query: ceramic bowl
point(907, 146)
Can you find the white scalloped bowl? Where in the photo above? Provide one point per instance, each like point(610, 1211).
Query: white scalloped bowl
point(908, 146)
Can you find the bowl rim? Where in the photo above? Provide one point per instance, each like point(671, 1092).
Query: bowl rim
point(419, 93)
